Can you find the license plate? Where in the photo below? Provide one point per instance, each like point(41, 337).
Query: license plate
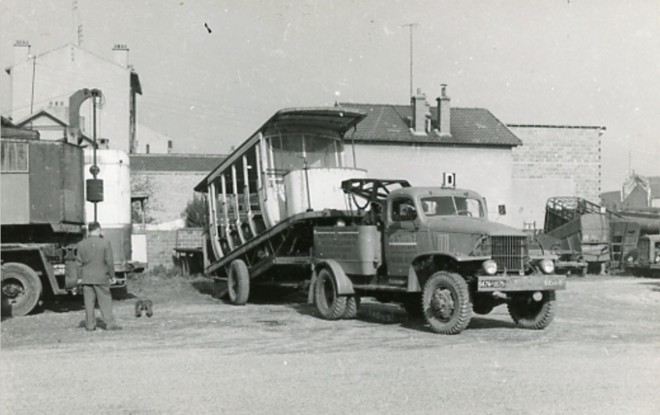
point(522, 283)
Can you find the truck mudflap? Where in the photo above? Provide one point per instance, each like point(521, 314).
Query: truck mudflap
point(507, 283)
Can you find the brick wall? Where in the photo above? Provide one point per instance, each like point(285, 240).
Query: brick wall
point(169, 192)
point(555, 161)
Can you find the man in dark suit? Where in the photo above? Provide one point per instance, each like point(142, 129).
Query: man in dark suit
point(96, 272)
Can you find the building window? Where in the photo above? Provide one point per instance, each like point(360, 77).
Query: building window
point(14, 157)
point(169, 146)
point(147, 149)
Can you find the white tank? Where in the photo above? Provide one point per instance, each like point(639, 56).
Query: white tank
point(115, 210)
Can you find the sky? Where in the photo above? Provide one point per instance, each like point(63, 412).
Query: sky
point(212, 71)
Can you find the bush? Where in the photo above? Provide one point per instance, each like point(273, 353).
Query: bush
point(196, 213)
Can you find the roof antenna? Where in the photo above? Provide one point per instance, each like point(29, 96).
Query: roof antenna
point(411, 26)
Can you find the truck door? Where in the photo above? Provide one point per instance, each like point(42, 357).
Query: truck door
point(401, 236)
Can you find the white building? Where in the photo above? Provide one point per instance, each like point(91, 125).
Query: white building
point(46, 82)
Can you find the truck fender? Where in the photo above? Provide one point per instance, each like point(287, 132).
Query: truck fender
point(344, 284)
point(417, 279)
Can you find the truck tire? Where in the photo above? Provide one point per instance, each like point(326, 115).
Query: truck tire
point(446, 303)
point(352, 307)
point(238, 282)
point(530, 314)
point(330, 305)
point(21, 288)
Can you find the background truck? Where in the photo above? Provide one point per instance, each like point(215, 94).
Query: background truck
point(285, 209)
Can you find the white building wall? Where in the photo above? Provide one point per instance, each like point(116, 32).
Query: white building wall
point(488, 171)
point(60, 73)
point(157, 142)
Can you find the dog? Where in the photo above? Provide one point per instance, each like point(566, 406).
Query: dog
point(144, 305)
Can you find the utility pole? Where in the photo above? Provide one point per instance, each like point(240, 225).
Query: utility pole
point(77, 25)
point(411, 26)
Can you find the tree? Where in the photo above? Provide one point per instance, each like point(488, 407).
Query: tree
point(196, 213)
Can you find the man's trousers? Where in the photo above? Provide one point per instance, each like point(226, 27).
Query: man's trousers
point(92, 293)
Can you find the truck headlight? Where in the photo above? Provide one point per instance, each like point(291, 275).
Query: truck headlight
point(489, 266)
point(547, 266)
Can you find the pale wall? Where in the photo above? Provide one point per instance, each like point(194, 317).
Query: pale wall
point(485, 170)
point(554, 161)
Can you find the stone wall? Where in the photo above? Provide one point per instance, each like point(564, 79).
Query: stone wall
point(169, 192)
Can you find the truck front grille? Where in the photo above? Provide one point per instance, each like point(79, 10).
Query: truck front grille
point(509, 252)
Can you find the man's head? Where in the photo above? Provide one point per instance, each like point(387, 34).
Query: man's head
point(93, 228)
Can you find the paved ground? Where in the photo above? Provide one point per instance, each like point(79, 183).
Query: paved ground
point(198, 355)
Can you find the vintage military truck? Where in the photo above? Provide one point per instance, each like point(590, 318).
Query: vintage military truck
point(433, 250)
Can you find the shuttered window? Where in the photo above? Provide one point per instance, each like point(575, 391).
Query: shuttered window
point(14, 157)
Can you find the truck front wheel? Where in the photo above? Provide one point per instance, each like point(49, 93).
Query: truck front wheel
point(446, 303)
point(238, 282)
point(330, 305)
point(21, 288)
point(528, 313)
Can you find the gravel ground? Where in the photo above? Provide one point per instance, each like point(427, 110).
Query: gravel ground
point(197, 354)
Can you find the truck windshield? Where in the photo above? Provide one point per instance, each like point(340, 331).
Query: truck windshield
point(452, 206)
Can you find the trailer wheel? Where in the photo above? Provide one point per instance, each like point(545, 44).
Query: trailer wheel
point(352, 307)
point(21, 288)
point(238, 282)
point(528, 313)
point(330, 305)
point(446, 302)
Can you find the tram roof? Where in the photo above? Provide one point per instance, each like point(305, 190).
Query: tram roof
point(340, 119)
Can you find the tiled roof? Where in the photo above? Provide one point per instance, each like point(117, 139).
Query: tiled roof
point(469, 126)
point(175, 162)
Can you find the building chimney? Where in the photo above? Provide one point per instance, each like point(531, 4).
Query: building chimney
point(444, 116)
point(120, 53)
point(21, 51)
point(420, 112)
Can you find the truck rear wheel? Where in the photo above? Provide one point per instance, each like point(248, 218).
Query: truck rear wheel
point(528, 313)
point(352, 307)
point(21, 288)
point(446, 303)
point(238, 282)
point(330, 305)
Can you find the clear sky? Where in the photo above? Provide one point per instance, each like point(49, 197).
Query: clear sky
point(566, 62)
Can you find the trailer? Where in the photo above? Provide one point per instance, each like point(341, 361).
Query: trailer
point(285, 209)
point(265, 199)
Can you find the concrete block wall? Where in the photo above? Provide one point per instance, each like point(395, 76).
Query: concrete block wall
point(554, 161)
point(555, 152)
point(169, 192)
point(160, 248)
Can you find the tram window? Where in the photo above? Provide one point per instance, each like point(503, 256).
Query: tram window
point(292, 150)
point(321, 152)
